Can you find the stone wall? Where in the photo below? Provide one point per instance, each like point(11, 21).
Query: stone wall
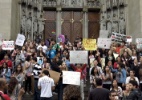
point(134, 21)
point(5, 18)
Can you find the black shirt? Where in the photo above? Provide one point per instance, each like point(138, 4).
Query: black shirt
point(99, 94)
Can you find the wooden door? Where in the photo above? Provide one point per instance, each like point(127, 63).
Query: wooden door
point(72, 24)
point(50, 24)
point(93, 24)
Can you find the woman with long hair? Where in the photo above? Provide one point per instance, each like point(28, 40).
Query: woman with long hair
point(19, 75)
point(107, 77)
point(13, 88)
point(116, 88)
point(126, 92)
point(6, 72)
point(28, 76)
point(94, 74)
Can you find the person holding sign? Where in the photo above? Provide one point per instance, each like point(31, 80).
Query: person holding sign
point(79, 68)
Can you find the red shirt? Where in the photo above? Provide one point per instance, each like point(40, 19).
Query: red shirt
point(79, 70)
point(9, 63)
point(5, 96)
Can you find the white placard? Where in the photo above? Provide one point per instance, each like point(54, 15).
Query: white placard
point(20, 40)
point(8, 45)
point(79, 57)
point(70, 77)
point(139, 43)
point(103, 34)
point(104, 43)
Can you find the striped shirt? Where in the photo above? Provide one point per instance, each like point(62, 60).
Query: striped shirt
point(36, 71)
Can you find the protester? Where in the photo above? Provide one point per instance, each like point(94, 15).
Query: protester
point(28, 74)
point(36, 72)
point(116, 88)
point(46, 84)
point(99, 93)
point(107, 77)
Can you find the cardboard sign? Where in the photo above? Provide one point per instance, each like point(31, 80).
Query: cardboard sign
point(78, 57)
point(20, 40)
point(103, 34)
point(8, 45)
point(104, 43)
point(139, 43)
point(89, 44)
point(55, 76)
point(70, 77)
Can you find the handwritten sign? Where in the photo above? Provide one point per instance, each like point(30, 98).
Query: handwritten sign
point(89, 44)
point(20, 40)
point(120, 37)
point(70, 77)
point(8, 45)
point(78, 57)
point(104, 43)
point(139, 43)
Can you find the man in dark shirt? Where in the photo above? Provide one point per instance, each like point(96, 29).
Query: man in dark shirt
point(99, 93)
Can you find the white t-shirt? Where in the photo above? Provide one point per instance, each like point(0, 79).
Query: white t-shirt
point(44, 48)
point(128, 79)
point(46, 83)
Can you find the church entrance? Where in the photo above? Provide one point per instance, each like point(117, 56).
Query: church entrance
point(72, 24)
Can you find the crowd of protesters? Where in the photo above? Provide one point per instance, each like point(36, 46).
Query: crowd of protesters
point(25, 70)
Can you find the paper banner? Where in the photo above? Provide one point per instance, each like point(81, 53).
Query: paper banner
point(78, 57)
point(8, 45)
point(20, 40)
point(89, 44)
point(104, 43)
point(70, 77)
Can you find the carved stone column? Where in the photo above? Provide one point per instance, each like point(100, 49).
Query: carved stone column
point(85, 25)
point(85, 20)
point(58, 19)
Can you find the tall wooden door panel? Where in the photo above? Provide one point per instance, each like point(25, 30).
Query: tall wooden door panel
point(50, 24)
point(93, 25)
point(72, 24)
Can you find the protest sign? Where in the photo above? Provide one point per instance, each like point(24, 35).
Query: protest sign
point(139, 43)
point(20, 40)
point(70, 77)
point(54, 75)
point(120, 37)
point(8, 45)
point(89, 44)
point(78, 57)
point(104, 43)
point(103, 34)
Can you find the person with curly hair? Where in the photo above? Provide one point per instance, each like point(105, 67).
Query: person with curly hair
point(72, 92)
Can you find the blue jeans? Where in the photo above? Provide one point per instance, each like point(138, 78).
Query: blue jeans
point(36, 90)
point(43, 98)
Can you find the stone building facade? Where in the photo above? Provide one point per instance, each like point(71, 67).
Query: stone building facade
point(44, 18)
